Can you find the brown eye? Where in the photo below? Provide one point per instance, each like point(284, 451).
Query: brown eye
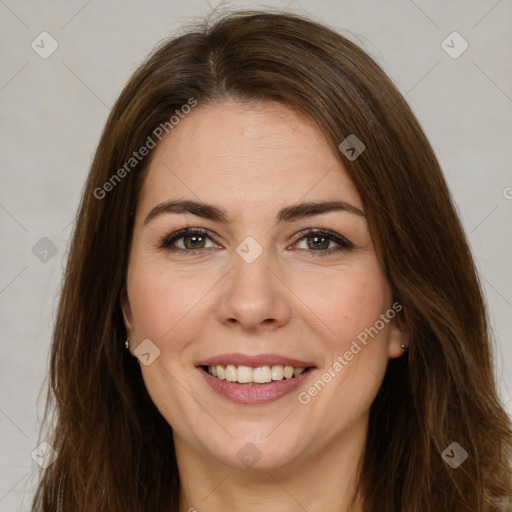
point(188, 240)
point(194, 241)
point(319, 242)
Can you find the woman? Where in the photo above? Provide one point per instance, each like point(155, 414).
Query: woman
point(267, 231)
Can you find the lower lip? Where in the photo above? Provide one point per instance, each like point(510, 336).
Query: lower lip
point(257, 393)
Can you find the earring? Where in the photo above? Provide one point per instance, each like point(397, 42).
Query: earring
point(405, 348)
point(127, 345)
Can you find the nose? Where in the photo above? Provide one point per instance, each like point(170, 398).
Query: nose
point(255, 296)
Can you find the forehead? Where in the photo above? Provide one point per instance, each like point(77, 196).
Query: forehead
point(246, 156)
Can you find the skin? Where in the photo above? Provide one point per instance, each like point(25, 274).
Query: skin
point(253, 160)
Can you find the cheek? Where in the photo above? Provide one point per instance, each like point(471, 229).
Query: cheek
point(346, 301)
point(166, 304)
point(355, 354)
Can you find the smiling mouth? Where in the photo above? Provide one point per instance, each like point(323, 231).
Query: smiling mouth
point(241, 374)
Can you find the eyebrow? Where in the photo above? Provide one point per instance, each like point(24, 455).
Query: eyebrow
point(215, 213)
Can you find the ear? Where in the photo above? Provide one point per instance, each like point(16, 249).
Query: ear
point(398, 336)
point(126, 310)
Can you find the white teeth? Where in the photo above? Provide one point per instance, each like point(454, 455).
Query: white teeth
point(259, 375)
point(262, 374)
point(231, 373)
point(288, 372)
point(244, 374)
point(277, 373)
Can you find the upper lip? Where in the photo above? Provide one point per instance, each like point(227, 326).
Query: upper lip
point(253, 360)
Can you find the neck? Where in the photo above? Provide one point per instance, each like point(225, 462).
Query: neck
point(314, 482)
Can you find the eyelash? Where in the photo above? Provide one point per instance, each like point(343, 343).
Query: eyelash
point(343, 243)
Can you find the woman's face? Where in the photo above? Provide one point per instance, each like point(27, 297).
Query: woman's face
point(256, 290)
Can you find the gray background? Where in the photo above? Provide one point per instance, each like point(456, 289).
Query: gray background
point(53, 111)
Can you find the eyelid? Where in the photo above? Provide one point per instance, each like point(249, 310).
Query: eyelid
point(343, 243)
point(327, 233)
point(166, 242)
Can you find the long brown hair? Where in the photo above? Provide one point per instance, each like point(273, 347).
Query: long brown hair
point(115, 449)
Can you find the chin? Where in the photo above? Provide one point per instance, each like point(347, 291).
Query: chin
point(248, 452)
